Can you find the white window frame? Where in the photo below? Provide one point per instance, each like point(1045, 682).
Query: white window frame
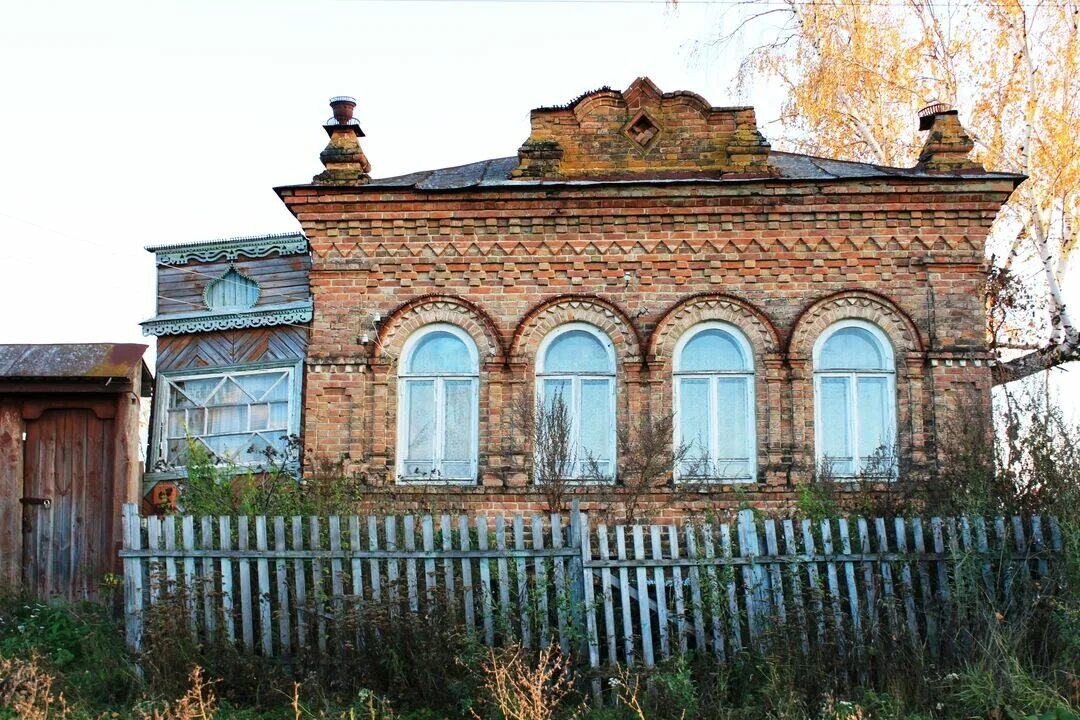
point(161, 424)
point(574, 405)
point(853, 375)
point(439, 379)
point(713, 377)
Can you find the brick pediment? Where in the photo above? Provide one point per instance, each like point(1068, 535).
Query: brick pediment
point(642, 131)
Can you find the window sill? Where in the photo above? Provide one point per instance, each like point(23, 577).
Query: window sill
point(455, 482)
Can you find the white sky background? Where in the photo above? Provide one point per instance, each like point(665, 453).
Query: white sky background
point(124, 124)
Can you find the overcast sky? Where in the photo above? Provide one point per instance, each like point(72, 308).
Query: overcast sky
point(124, 124)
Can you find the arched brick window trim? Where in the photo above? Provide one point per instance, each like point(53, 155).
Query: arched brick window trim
point(854, 305)
point(552, 313)
point(418, 312)
point(758, 329)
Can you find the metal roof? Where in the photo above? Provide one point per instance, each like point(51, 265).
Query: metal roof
point(787, 166)
point(84, 360)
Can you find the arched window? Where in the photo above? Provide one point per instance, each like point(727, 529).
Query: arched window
point(714, 403)
point(438, 405)
point(575, 381)
point(855, 400)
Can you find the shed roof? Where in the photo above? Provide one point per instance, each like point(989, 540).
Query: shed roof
point(70, 361)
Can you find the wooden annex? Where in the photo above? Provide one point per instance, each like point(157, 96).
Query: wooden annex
point(69, 459)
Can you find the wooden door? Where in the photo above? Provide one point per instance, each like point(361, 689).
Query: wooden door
point(68, 512)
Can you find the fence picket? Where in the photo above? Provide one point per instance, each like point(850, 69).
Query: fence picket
point(206, 542)
point(834, 587)
point(734, 616)
point(868, 580)
point(411, 578)
point(562, 595)
point(924, 585)
point(154, 566)
point(940, 565)
point(1022, 549)
point(660, 584)
point(541, 588)
point(592, 633)
point(605, 588)
point(677, 588)
point(133, 577)
point(427, 531)
point(888, 596)
point(624, 593)
point(852, 586)
point(504, 578)
point(796, 584)
point(337, 584)
point(373, 564)
point(247, 624)
point(1004, 554)
point(447, 531)
point(905, 579)
point(169, 530)
point(1038, 545)
point(357, 565)
point(695, 587)
point(485, 581)
point(393, 591)
point(814, 583)
point(713, 581)
point(982, 544)
point(187, 536)
point(776, 579)
point(466, 576)
point(300, 583)
point(648, 654)
point(318, 590)
point(522, 581)
point(281, 575)
point(263, 574)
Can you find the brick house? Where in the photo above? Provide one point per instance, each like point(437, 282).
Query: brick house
point(644, 254)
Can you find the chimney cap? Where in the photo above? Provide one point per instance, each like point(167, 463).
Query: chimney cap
point(342, 99)
point(926, 115)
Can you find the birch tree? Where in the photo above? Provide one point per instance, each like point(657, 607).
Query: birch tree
point(855, 73)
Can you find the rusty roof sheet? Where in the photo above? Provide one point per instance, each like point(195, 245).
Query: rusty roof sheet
point(78, 360)
point(786, 167)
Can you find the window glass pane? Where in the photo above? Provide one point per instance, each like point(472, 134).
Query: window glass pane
point(260, 445)
point(712, 349)
point(257, 385)
point(440, 352)
point(557, 391)
point(873, 426)
point(228, 393)
point(835, 432)
point(577, 351)
point(733, 468)
point(232, 418)
point(420, 427)
point(176, 451)
point(456, 470)
point(178, 426)
point(731, 413)
point(189, 393)
point(260, 416)
point(853, 348)
point(229, 448)
point(595, 424)
point(279, 415)
point(459, 420)
point(694, 424)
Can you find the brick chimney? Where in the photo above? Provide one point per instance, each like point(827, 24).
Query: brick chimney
point(947, 145)
point(343, 157)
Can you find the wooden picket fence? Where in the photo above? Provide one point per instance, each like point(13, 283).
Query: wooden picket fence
point(622, 594)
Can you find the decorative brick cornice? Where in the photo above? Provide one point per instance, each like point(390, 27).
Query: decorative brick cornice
point(702, 308)
point(429, 309)
point(853, 304)
point(554, 312)
point(209, 321)
point(230, 248)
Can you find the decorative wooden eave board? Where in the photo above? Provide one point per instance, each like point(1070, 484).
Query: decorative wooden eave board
point(230, 248)
point(209, 321)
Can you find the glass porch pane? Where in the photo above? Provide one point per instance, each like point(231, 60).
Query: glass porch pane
point(229, 419)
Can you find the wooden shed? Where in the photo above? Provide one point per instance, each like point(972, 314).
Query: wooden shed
point(69, 458)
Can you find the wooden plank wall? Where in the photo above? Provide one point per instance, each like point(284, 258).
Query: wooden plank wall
point(231, 347)
point(11, 489)
point(281, 279)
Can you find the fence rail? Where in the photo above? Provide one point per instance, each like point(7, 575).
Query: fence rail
point(626, 594)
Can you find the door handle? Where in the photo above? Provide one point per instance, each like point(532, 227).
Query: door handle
point(46, 502)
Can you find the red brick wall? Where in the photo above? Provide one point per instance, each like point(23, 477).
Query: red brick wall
point(780, 260)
